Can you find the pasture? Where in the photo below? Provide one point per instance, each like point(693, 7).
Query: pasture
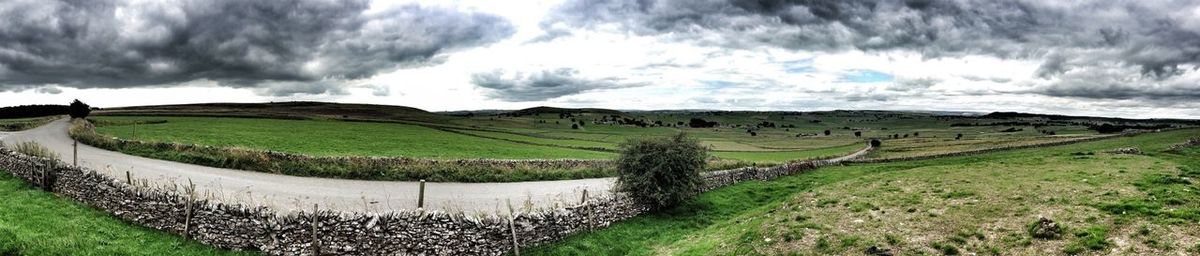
point(1107, 203)
point(751, 137)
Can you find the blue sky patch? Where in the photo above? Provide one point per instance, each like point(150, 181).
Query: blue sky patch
point(798, 66)
point(865, 76)
point(717, 84)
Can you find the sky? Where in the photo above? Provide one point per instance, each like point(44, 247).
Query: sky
point(1136, 59)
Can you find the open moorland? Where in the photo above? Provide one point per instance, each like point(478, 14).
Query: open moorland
point(323, 134)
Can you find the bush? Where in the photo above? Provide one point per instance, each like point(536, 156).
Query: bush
point(875, 143)
point(701, 123)
point(661, 172)
point(827, 132)
point(35, 149)
point(80, 109)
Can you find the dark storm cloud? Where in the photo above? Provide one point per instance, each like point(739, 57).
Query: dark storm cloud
point(1154, 39)
point(1109, 84)
point(542, 85)
point(240, 43)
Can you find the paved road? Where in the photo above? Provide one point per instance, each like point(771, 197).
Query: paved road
point(299, 193)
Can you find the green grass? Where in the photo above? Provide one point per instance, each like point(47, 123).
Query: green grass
point(33, 222)
point(957, 205)
point(335, 138)
point(18, 124)
point(784, 156)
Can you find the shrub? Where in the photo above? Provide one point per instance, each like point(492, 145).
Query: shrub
point(875, 143)
point(701, 123)
point(575, 126)
point(661, 172)
point(857, 134)
point(35, 149)
point(80, 109)
point(827, 132)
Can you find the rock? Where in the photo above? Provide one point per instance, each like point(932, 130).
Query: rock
point(876, 251)
point(1126, 151)
point(1045, 228)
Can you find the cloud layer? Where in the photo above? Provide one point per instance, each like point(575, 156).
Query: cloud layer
point(541, 85)
point(291, 46)
point(1150, 45)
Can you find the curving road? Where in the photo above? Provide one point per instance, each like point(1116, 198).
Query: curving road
point(288, 193)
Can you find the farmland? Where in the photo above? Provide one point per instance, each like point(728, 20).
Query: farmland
point(548, 133)
point(325, 133)
point(1107, 203)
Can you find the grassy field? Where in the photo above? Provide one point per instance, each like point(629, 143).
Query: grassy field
point(741, 137)
point(333, 138)
point(982, 204)
point(33, 222)
point(18, 124)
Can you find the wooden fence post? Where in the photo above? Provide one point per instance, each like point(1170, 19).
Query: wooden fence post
point(316, 244)
point(45, 174)
point(584, 199)
point(421, 196)
point(513, 226)
point(187, 219)
point(75, 152)
point(128, 179)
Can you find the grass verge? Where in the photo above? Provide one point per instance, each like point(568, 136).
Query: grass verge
point(33, 222)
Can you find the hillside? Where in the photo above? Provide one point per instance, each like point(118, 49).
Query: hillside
point(554, 110)
point(283, 110)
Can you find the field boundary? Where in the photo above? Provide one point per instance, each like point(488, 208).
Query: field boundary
point(996, 149)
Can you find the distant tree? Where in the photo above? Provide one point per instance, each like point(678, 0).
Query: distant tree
point(906, 135)
point(574, 126)
point(959, 136)
point(915, 134)
point(661, 173)
point(827, 132)
point(701, 123)
point(875, 143)
point(857, 134)
point(33, 111)
point(753, 134)
point(580, 122)
point(1051, 133)
point(80, 109)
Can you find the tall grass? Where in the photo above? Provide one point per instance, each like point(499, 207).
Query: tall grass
point(35, 149)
